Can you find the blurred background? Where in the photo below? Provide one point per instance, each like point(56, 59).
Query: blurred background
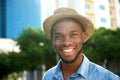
point(26, 53)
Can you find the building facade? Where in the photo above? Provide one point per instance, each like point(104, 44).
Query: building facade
point(117, 12)
point(16, 15)
point(2, 18)
point(103, 13)
point(102, 16)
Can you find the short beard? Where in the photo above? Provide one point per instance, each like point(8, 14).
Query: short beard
point(72, 61)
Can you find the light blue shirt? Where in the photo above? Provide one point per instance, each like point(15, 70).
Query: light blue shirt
point(86, 71)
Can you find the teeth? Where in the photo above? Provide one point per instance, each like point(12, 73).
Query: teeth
point(69, 50)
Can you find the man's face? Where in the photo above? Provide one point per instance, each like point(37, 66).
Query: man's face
point(68, 39)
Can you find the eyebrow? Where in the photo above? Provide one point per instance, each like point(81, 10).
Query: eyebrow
point(72, 19)
point(73, 31)
point(57, 33)
point(76, 31)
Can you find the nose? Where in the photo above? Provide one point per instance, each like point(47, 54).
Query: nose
point(67, 41)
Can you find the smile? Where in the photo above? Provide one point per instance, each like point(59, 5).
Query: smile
point(67, 50)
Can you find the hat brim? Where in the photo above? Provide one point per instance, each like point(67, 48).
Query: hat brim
point(86, 24)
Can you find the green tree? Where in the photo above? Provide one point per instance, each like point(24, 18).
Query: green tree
point(104, 45)
point(36, 50)
point(4, 65)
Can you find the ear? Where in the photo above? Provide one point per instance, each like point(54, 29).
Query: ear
point(84, 36)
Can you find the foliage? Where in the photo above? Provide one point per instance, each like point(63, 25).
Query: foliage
point(35, 44)
point(4, 65)
point(36, 50)
point(104, 44)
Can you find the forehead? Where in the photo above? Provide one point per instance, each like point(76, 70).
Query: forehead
point(65, 21)
point(67, 25)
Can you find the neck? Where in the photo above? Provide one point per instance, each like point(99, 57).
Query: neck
point(69, 69)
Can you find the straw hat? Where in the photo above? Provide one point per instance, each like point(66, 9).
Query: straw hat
point(62, 13)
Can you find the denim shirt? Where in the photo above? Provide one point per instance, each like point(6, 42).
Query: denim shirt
point(86, 71)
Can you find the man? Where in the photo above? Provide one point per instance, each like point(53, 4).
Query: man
point(68, 30)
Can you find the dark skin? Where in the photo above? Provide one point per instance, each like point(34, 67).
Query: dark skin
point(68, 38)
point(69, 69)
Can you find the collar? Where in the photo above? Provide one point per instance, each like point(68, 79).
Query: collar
point(82, 70)
point(58, 71)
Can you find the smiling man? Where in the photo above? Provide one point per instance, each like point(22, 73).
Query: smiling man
point(68, 30)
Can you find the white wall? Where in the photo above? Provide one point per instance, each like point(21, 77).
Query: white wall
point(47, 8)
point(8, 45)
point(117, 9)
point(100, 13)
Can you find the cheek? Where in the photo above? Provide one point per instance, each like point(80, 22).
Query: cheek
point(56, 47)
point(55, 44)
point(79, 42)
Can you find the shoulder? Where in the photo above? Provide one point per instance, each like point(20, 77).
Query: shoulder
point(101, 72)
point(49, 74)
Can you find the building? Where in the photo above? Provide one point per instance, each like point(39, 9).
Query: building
point(103, 13)
point(8, 45)
point(2, 18)
point(16, 15)
point(117, 12)
point(113, 21)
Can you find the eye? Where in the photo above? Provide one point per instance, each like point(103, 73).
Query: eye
point(74, 35)
point(58, 37)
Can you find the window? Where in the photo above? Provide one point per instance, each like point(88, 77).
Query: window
point(110, 12)
point(119, 11)
point(87, 6)
point(111, 24)
point(102, 7)
point(109, 1)
point(103, 20)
